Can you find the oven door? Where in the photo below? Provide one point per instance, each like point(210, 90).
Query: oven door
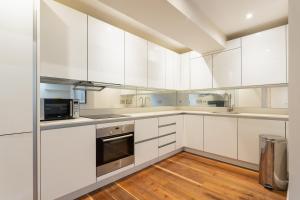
point(114, 152)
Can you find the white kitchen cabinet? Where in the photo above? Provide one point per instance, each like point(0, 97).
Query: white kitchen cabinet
point(232, 44)
point(105, 52)
point(264, 57)
point(248, 136)
point(220, 136)
point(179, 131)
point(193, 129)
point(16, 158)
point(172, 70)
point(68, 160)
point(146, 151)
point(185, 71)
point(201, 72)
point(156, 66)
point(63, 36)
point(145, 129)
point(227, 68)
point(16, 61)
point(136, 59)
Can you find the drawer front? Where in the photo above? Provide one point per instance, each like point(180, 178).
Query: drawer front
point(166, 139)
point(145, 129)
point(166, 149)
point(167, 120)
point(167, 130)
point(146, 151)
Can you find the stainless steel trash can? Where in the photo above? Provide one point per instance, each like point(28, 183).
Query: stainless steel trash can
point(273, 162)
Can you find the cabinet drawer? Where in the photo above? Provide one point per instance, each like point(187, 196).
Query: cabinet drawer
point(167, 130)
point(146, 151)
point(166, 139)
point(166, 149)
point(167, 120)
point(145, 129)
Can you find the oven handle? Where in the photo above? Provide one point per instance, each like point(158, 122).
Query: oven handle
point(117, 138)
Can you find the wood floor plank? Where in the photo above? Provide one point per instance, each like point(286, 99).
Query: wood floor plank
point(188, 177)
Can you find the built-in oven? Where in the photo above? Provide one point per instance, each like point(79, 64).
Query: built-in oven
point(114, 148)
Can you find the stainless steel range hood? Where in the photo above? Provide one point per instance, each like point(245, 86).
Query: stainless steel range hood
point(80, 85)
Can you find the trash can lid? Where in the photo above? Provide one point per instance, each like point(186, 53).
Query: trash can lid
point(272, 138)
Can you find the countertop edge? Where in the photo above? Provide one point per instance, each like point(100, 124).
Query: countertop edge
point(44, 127)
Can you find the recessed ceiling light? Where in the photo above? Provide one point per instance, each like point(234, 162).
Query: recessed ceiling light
point(249, 16)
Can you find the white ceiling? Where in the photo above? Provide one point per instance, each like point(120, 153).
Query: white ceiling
point(229, 15)
point(181, 25)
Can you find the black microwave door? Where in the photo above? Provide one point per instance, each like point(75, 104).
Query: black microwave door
point(113, 150)
point(57, 109)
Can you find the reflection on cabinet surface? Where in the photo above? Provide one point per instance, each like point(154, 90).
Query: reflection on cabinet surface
point(201, 72)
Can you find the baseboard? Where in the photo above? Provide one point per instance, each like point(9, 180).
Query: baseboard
point(223, 159)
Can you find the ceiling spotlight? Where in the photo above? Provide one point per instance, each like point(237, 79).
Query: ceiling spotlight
point(249, 15)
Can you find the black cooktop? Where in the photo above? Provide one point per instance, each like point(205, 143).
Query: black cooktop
point(105, 116)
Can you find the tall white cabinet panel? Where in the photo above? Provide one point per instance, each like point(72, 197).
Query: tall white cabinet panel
point(248, 136)
point(105, 52)
point(264, 57)
point(185, 71)
point(220, 136)
point(68, 160)
point(172, 70)
point(16, 182)
point(201, 72)
point(227, 68)
point(63, 36)
point(156, 66)
point(16, 66)
point(180, 131)
point(193, 128)
point(136, 59)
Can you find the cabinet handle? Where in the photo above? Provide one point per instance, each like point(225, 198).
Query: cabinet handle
point(117, 138)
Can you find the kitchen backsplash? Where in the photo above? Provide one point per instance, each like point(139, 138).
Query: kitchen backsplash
point(112, 98)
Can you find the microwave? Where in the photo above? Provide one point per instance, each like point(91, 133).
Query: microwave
point(58, 109)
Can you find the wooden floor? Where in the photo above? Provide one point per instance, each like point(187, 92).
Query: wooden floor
point(187, 176)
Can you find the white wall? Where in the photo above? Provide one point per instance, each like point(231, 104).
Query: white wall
point(294, 99)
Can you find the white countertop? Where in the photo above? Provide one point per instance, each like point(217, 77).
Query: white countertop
point(132, 116)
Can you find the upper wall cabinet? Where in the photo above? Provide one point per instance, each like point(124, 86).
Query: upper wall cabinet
point(185, 71)
point(227, 68)
point(172, 70)
point(105, 52)
point(135, 61)
point(63, 36)
point(16, 71)
point(201, 72)
point(156, 66)
point(264, 57)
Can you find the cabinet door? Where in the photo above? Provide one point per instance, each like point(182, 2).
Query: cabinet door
point(201, 72)
point(68, 160)
point(146, 151)
point(185, 71)
point(63, 36)
point(136, 59)
point(145, 129)
point(193, 128)
point(248, 136)
point(16, 66)
point(16, 181)
point(172, 63)
point(156, 66)
point(227, 68)
point(105, 52)
point(179, 131)
point(220, 136)
point(264, 57)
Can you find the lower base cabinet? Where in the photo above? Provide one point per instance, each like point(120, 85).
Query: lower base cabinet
point(146, 151)
point(220, 136)
point(193, 128)
point(248, 136)
point(68, 160)
point(16, 182)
